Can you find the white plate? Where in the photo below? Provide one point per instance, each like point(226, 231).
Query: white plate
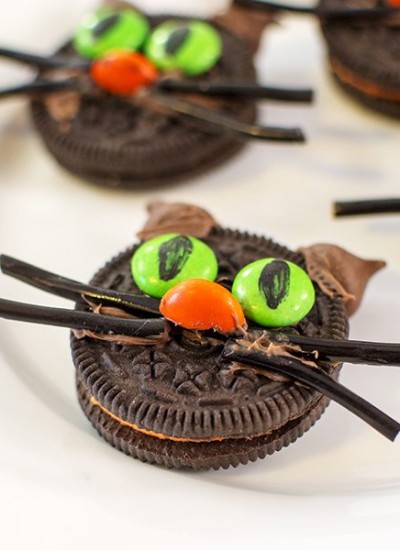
point(61, 485)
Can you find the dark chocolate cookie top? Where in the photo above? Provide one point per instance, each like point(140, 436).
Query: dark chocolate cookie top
point(111, 142)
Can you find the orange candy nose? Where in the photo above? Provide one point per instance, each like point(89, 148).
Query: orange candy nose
point(122, 72)
point(198, 304)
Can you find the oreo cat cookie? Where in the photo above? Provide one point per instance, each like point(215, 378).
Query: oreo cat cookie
point(362, 37)
point(135, 101)
point(364, 53)
point(204, 347)
point(180, 403)
point(130, 144)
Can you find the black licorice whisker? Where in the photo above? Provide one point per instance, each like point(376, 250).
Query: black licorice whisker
point(318, 380)
point(364, 207)
point(73, 290)
point(343, 351)
point(39, 87)
point(43, 62)
point(223, 122)
point(243, 90)
point(327, 13)
point(80, 320)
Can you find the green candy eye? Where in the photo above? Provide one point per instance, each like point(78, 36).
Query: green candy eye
point(274, 293)
point(106, 29)
point(162, 262)
point(192, 47)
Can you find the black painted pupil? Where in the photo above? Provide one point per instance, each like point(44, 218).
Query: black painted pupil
point(103, 26)
point(274, 283)
point(173, 255)
point(176, 39)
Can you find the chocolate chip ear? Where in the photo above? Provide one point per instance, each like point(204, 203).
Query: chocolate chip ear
point(337, 271)
point(249, 24)
point(119, 5)
point(176, 218)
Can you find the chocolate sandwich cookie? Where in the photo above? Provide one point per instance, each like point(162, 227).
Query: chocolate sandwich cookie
point(180, 404)
point(137, 101)
point(363, 38)
point(364, 53)
point(210, 347)
point(123, 144)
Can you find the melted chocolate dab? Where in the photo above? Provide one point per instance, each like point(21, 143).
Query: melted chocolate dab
point(176, 39)
point(274, 283)
point(173, 255)
point(103, 26)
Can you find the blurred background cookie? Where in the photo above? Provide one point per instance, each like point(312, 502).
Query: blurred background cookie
point(136, 101)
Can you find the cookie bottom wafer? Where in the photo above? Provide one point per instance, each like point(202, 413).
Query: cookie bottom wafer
point(191, 455)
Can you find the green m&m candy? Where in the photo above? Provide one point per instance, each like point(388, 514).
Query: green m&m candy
point(274, 293)
point(162, 262)
point(106, 29)
point(190, 47)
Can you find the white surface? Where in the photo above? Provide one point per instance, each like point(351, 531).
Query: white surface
point(61, 486)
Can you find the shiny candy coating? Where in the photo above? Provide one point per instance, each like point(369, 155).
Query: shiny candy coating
point(123, 73)
point(274, 293)
point(106, 29)
point(190, 47)
point(198, 304)
point(161, 263)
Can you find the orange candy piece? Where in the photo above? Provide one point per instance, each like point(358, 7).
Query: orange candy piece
point(198, 304)
point(123, 72)
point(394, 3)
